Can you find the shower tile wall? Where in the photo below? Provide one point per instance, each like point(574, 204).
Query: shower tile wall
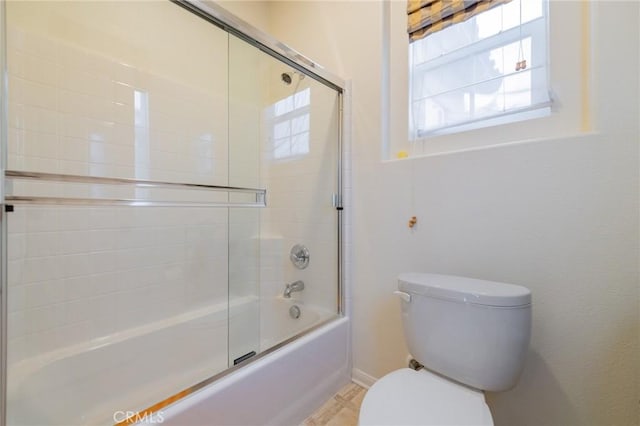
point(300, 209)
point(300, 181)
point(84, 273)
point(74, 111)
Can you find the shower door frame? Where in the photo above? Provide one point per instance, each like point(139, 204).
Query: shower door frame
point(218, 16)
point(4, 283)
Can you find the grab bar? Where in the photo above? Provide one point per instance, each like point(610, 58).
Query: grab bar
point(259, 199)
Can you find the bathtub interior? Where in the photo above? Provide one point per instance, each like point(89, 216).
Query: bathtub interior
point(116, 308)
point(83, 383)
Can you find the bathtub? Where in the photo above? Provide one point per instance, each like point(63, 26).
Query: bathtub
point(282, 387)
point(120, 373)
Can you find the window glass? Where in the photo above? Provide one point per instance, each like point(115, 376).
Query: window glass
point(476, 69)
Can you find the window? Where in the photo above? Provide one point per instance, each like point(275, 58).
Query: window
point(290, 129)
point(465, 75)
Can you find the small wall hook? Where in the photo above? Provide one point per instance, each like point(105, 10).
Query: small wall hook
point(413, 221)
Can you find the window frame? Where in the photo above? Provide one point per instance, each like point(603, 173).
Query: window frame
point(540, 54)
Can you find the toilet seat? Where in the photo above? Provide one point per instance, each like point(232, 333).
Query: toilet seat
point(409, 397)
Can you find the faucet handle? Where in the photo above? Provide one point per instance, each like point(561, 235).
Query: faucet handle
point(299, 256)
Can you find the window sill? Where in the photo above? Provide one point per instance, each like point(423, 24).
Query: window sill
point(556, 138)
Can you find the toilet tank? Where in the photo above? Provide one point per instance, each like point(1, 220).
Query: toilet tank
point(473, 331)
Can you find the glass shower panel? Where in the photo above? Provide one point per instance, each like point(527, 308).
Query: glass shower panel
point(288, 124)
point(113, 309)
point(245, 80)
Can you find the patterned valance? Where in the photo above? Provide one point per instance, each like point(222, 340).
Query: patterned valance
point(429, 16)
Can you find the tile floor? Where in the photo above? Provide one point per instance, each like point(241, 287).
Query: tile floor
point(341, 410)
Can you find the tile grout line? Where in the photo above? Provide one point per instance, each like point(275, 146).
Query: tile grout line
point(341, 409)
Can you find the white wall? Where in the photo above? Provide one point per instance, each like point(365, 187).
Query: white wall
point(558, 215)
point(256, 13)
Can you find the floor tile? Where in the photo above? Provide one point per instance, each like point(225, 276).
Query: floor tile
point(341, 410)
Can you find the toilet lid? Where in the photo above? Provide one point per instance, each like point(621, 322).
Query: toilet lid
point(409, 397)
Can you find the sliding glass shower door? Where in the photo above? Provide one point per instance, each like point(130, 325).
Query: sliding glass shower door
point(283, 135)
point(117, 289)
point(158, 172)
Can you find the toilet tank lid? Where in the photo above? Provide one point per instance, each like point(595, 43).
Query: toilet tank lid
point(464, 290)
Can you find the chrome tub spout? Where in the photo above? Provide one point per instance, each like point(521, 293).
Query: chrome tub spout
point(290, 288)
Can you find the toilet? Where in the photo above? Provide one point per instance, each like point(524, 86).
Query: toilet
point(470, 335)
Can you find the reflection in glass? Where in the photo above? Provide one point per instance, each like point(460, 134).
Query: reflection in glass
point(290, 124)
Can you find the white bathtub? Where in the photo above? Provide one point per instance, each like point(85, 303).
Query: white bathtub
point(88, 383)
point(281, 388)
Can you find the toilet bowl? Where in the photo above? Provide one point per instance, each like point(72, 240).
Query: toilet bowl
point(470, 335)
point(409, 397)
